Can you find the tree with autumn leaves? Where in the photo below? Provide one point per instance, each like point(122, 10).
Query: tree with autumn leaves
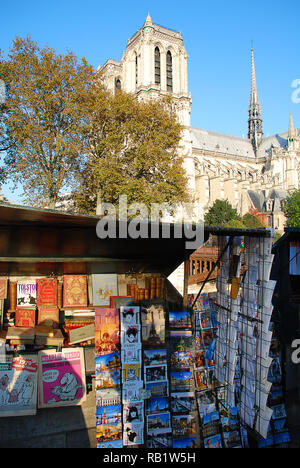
point(62, 131)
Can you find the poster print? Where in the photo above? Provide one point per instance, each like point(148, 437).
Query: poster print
point(133, 411)
point(129, 316)
point(159, 422)
point(154, 357)
point(108, 423)
point(26, 293)
point(104, 286)
point(18, 385)
point(182, 402)
point(133, 434)
point(153, 326)
point(180, 320)
point(107, 331)
point(61, 377)
point(156, 373)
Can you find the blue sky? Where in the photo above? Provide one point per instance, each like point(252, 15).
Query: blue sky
point(217, 36)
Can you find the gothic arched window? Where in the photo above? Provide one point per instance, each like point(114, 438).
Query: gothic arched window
point(169, 72)
point(157, 65)
point(118, 84)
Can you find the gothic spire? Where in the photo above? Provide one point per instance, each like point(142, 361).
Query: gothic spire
point(255, 132)
point(291, 132)
point(148, 21)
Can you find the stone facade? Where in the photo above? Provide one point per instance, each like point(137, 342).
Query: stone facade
point(218, 165)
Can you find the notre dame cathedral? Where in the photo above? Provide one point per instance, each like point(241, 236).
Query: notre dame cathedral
point(253, 173)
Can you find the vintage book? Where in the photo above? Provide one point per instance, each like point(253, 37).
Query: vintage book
point(21, 334)
point(18, 377)
point(54, 338)
point(49, 316)
point(80, 334)
point(1, 314)
point(12, 296)
point(3, 288)
point(76, 322)
point(46, 292)
point(59, 294)
point(75, 291)
point(61, 377)
point(26, 293)
point(43, 330)
point(104, 286)
point(25, 317)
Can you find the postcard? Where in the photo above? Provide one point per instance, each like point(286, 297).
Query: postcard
point(131, 353)
point(158, 389)
point(181, 340)
point(111, 444)
point(153, 326)
point(129, 315)
point(160, 440)
point(156, 404)
point(133, 411)
point(182, 402)
point(156, 373)
point(213, 442)
point(180, 320)
point(206, 403)
point(108, 423)
point(133, 434)
point(131, 373)
point(183, 425)
point(154, 357)
point(182, 360)
point(187, 442)
point(131, 334)
point(132, 393)
point(158, 422)
point(108, 396)
point(108, 379)
point(200, 379)
point(200, 358)
point(181, 381)
point(107, 362)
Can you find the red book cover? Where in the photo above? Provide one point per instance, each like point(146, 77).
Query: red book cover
point(46, 292)
point(75, 291)
point(25, 317)
point(48, 316)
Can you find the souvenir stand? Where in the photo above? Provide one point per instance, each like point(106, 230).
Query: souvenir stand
point(58, 283)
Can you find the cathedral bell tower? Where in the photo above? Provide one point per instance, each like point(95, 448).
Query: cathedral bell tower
point(255, 131)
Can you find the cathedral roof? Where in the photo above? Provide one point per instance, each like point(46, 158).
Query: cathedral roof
point(279, 140)
point(221, 143)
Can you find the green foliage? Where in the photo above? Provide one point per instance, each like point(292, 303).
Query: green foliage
point(220, 213)
point(235, 224)
point(44, 119)
point(291, 209)
point(251, 222)
point(133, 152)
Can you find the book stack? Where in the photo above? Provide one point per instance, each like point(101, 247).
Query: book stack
point(153, 289)
point(48, 336)
point(20, 336)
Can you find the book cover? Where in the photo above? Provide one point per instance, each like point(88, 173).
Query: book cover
point(61, 378)
point(75, 291)
point(107, 331)
point(46, 292)
point(26, 294)
point(53, 338)
point(3, 288)
point(104, 286)
point(20, 333)
point(25, 317)
point(18, 377)
point(77, 335)
point(48, 315)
